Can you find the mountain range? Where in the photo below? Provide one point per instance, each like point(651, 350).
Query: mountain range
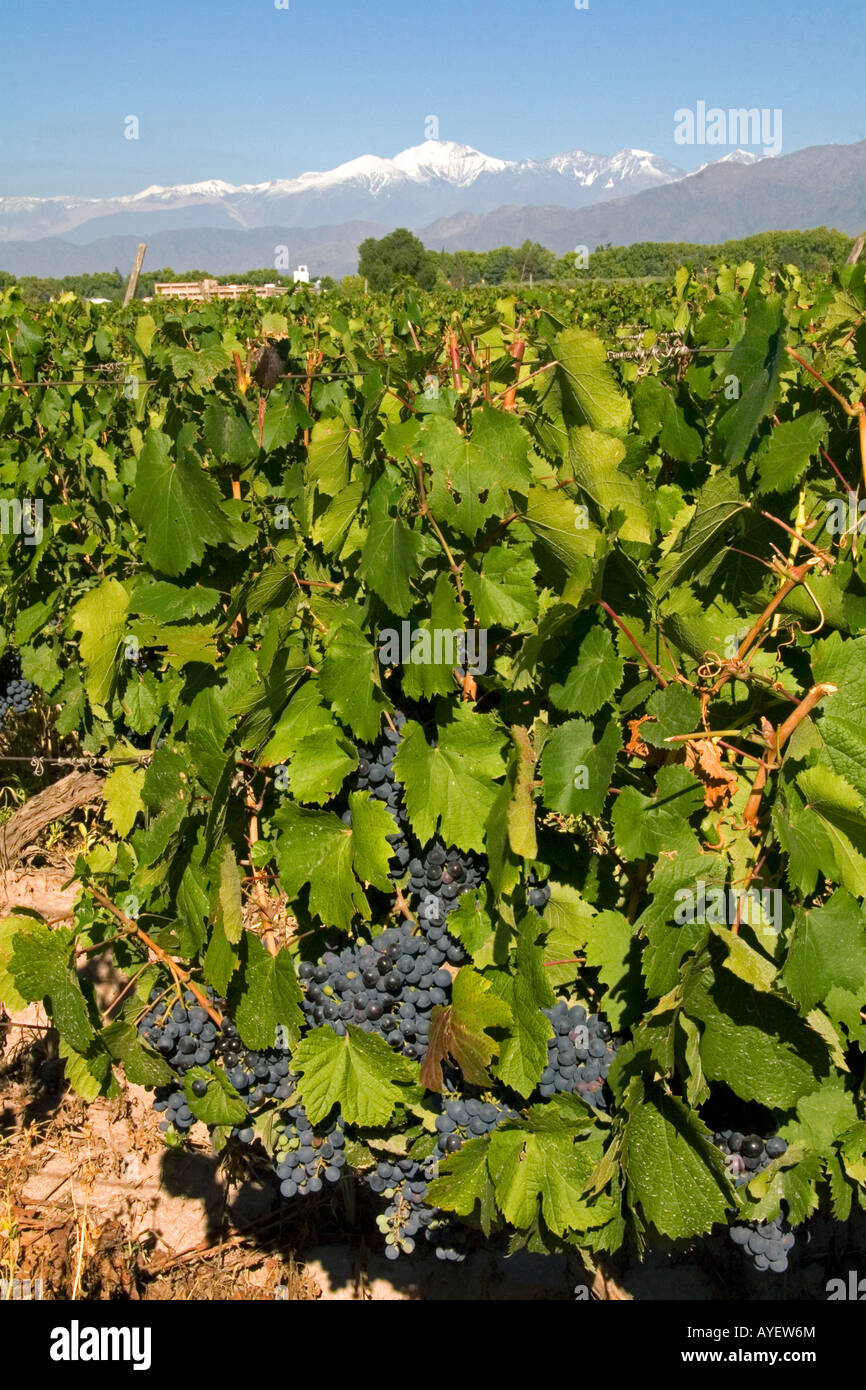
point(452, 195)
point(416, 186)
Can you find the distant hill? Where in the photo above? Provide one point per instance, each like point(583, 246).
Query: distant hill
point(824, 185)
point(327, 250)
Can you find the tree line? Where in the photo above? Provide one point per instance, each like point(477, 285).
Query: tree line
point(385, 262)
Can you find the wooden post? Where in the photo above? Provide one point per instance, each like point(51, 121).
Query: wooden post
point(856, 249)
point(132, 282)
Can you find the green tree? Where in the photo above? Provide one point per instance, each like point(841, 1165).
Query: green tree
point(533, 259)
point(382, 263)
point(352, 284)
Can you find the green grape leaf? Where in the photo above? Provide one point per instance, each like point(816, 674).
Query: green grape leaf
point(529, 1170)
point(177, 504)
point(756, 362)
point(452, 785)
point(675, 710)
point(523, 1053)
point(269, 997)
point(358, 1072)
point(229, 900)
point(593, 461)
point(594, 678)
point(673, 1174)
point(575, 770)
point(826, 950)
point(121, 792)
point(220, 961)
point(349, 679)
point(754, 1042)
point(391, 553)
point(784, 456)
point(220, 1104)
point(567, 924)
point(464, 1183)
point(100, 617)
point(591, 393)
point(142, 1066)
point(228, 435)
point(41, 968)
point(328, 456)
point(503, 592)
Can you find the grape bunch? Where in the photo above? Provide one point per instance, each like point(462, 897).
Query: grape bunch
point(409, 1215)
point(579, 1054)
point(768, 1242)
point(375, 773)
point(255, 1075)
point(15, 691)
point(439, 879)
point(468, 1117)
point(186, 1036)
point(171, 1101)
point(747, 1154)
point(183, 1032)
point(404, 1181)
point(387, 987)
point(304, 1160)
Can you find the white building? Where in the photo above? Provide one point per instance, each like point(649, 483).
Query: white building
point(301, 276)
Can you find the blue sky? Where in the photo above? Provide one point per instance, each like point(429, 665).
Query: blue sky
point(241, 90)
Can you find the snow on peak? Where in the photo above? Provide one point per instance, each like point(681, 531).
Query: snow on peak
point(735, 157)
point(446, 160)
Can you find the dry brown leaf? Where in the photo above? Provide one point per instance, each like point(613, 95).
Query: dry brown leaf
point(636, 748)
point(720, 782)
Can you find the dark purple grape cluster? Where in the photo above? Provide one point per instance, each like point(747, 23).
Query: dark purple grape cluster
point(768, 1242)
point(15, 691)
point(404, 1181)
point(439, 879)
point(387, 986)
point(375, 774)
point(579, 1054)
point(171, 1101)
point(468, 1117)
point(257, 1076)
point(182, 1031)
point(186, 1036)
point(747, 1154)
point(304, 1159)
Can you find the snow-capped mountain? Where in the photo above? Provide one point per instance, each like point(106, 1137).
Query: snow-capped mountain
point(435, 179)
point(735, 157)
point(824, 185)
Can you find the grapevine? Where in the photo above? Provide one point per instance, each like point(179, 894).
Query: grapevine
point(474, 689)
